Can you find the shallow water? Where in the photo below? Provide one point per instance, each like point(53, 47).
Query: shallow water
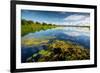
point(78, 35)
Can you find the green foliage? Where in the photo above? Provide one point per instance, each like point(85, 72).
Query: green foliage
point(44, 23)
point(37, 23)
point(62, 51)
point(30, 22)
point(30, 26)
point(45, 52)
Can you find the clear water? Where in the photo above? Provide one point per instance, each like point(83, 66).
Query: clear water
point(79, 35)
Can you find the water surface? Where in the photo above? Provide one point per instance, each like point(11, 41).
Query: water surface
point(77, 35)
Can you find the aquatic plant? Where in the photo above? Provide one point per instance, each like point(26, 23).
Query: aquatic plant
point(61, 51)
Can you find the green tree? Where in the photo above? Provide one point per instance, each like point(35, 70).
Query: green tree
point(37, 22)
point(44, 23)
point(30, 22)
point(50, 24)
point(23, 22)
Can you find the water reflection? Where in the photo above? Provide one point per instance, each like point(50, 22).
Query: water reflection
point(77, 35)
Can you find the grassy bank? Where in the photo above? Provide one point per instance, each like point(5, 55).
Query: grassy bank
point(30, 26)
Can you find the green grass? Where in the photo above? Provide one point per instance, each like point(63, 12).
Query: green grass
point(30, 26)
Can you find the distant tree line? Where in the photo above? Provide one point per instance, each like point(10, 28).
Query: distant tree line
point(23, 22)
point(28, 26)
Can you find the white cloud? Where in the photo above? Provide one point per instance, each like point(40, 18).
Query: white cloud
point(85, 21)
point(75, 17)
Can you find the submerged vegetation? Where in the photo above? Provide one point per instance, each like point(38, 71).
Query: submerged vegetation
point(28, 26)
point(58, 50)
point(50, 48)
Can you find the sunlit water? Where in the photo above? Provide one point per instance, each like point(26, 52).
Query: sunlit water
point(79, 35)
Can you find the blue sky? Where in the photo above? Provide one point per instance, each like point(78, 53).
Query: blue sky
point(58, 18)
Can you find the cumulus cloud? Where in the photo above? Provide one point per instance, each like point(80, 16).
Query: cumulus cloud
point(77, 19)
point(74, 17)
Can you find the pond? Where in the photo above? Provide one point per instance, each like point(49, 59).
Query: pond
point(33, 42)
